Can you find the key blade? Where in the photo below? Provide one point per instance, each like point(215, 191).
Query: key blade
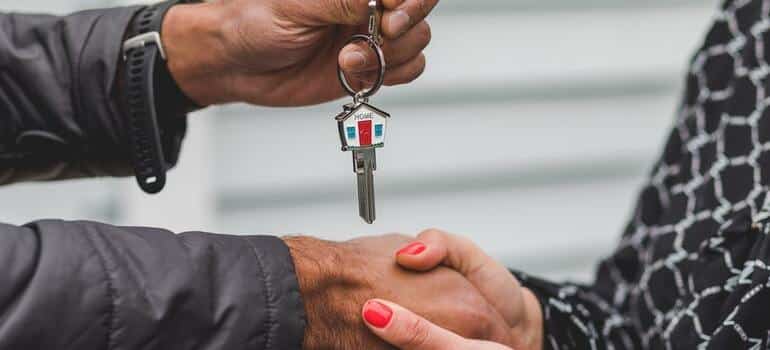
point(366, 197)
point(364, 161)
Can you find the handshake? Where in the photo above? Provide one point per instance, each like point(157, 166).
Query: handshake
point(438, 292)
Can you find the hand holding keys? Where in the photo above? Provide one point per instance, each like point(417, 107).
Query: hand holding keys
point(362, 126)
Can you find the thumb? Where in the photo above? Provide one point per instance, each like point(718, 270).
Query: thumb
point(408, 331)
point(498, 286)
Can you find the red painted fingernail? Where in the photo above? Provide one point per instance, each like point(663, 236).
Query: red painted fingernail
point(377, 314)
point(412, 249)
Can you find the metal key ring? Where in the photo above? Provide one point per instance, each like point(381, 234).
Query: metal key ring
point(366, 93)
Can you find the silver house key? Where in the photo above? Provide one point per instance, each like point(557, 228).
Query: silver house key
point(362, 127)
point(362, 130)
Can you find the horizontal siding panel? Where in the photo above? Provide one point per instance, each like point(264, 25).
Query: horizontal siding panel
point(75, 199)
point(530, 49)
point(540, 230)
point(519, 6)
point(278, 151)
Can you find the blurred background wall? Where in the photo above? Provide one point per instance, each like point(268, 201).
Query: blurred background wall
point(555, 110)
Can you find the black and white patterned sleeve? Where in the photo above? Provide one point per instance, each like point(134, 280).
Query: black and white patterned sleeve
point(692, 270)
point(578, 317)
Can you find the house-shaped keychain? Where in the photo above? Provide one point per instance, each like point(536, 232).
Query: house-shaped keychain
point(362, 126)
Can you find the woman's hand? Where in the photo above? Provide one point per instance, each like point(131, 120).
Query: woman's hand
point(408, 331)
point(285, 52)
point(519, 306)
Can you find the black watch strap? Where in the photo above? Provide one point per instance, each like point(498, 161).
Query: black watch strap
point(145, 73)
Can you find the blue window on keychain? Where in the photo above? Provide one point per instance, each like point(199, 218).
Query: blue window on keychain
point(378, 130)
point(351, 132)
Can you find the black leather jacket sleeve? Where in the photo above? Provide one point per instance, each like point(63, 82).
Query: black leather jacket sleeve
point(84, 285)
point(59, 116)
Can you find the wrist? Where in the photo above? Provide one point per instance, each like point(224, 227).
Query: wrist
point(192, 39)
point(529, 332)
point(313, 260)
point(328, 288)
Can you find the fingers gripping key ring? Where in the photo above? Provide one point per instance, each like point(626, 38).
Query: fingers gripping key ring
point(368, 92)
point(375, 41)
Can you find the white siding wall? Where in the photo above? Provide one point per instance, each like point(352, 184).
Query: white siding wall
point(554, 111)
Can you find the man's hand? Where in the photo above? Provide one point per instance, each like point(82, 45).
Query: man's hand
point(518, 305)
point(337, 278)
point(285, 52)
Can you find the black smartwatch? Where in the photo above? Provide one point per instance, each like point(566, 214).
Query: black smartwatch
point(150, 92)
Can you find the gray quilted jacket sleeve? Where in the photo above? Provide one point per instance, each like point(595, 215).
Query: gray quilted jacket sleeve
point(59, 98)
point(85, 285)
